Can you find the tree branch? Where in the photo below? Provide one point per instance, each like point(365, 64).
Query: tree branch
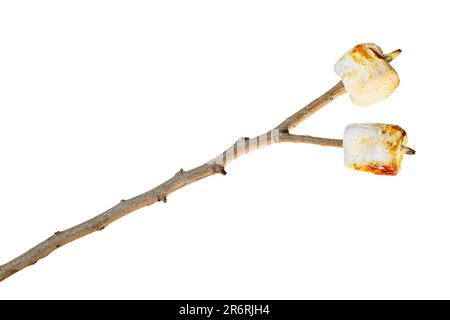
point(313, 140)
point(182, 178)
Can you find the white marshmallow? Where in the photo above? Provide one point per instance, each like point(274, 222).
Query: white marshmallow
point(367, 76)
point(374, 147)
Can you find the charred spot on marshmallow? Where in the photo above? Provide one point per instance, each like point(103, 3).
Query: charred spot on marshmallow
point(377, 169)
point(367, 76)
point(360, 52)
point(379, 56)
point(374, 147)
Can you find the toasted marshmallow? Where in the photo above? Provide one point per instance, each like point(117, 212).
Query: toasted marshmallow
point(374, 147)
point(367, 76)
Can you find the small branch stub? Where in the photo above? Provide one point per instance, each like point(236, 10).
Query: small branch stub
point(217, 168)
point(161, 197)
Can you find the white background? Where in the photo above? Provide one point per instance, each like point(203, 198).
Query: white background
point(102, 100)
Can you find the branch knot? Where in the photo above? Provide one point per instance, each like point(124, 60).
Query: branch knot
point(217, 168)
point(161, 197)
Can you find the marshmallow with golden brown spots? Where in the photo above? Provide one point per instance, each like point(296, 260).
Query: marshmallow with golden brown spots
point(367, 76)
point(374, 147)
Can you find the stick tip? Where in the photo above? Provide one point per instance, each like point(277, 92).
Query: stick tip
point(392, 55)
point(407, 150)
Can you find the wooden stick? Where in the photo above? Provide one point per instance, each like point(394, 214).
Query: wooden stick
point(181, 179)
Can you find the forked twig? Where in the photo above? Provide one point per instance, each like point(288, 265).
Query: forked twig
point(183, 178)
